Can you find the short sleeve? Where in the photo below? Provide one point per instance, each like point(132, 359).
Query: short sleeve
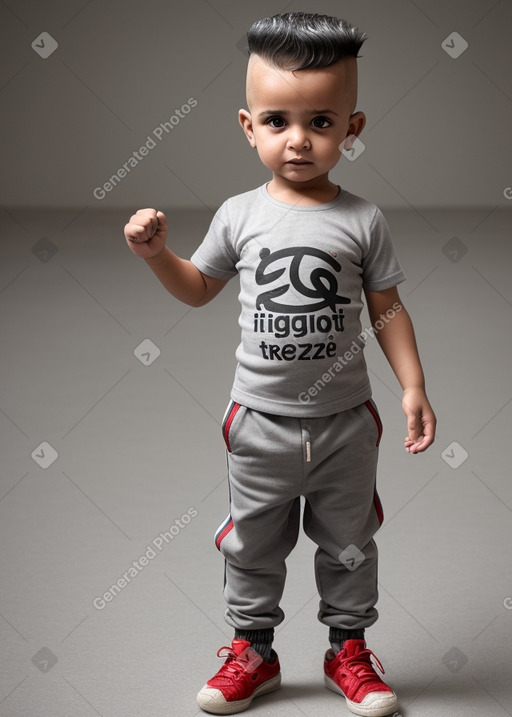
point(381, 268)
point(216, 255)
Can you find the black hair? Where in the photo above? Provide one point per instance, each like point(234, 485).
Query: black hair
point(301, 40)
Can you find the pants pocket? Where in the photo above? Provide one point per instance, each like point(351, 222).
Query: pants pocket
point(227, 422)
point(224, 528)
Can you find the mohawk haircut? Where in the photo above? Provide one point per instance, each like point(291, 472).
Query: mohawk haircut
point(300, 41)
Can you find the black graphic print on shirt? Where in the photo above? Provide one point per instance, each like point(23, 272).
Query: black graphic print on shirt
point(291, 321)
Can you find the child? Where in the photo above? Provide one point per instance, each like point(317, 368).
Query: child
point(301, 420)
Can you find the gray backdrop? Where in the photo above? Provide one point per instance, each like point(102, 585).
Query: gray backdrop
point(113, 475)
point(438, 127)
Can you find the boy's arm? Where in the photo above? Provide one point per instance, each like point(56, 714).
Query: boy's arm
point(397, 341)
point(146, 234)
point(183, 279)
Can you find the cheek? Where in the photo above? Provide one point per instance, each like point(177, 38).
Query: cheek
point(267, 145)
point(332, 148)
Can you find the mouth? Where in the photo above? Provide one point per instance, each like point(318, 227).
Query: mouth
point(298, 161)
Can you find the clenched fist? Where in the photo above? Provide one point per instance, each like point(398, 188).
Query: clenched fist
point(146, 233)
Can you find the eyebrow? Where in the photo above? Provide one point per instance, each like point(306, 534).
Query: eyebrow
point(269, 113)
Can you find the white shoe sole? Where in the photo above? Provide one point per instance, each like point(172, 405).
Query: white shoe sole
point(387, 704)
point(212, 700)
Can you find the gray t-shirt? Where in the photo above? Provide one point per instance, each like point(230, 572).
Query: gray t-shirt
point(302, 271)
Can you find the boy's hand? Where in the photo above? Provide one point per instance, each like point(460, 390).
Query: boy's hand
point(421, 421)
point(146, 233)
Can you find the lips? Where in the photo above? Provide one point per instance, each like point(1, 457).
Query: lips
point(299, 161)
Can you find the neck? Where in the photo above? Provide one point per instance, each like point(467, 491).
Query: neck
point(315, 191)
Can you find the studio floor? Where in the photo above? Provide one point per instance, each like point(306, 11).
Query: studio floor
point(111, 400)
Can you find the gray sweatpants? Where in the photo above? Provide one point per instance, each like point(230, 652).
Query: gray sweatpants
point(272, 461)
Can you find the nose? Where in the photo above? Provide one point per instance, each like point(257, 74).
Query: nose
point(298, 139)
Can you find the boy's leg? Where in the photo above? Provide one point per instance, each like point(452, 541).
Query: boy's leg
point(255, 539)
point(265, 480)
point(342, 514)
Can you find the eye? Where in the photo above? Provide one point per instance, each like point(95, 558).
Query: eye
point(321, 122)
point(276, 122)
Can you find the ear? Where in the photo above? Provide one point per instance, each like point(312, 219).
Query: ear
point(356, 125)
point(245, 119)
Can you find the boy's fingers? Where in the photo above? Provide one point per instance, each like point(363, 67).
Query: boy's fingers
point(427, 441)
point(153, 220)
point(161, 221)
point(144, 224)
point(150, 221)
point(135, 232)
point(420, 443)
point(429, 431)
point(148, 212)
point(132, 231)
point(414, 427)
point(143, 216)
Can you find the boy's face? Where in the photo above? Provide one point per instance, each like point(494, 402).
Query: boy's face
point(298, 120)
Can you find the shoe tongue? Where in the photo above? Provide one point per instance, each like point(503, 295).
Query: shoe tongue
point(239, 646)
point(353, 647)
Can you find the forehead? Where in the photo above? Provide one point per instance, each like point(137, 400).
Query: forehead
point(331, 86)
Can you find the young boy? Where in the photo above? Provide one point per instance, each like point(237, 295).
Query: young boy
point(301, 421)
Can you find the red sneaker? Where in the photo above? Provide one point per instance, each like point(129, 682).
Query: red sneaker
point(243, 676)
point(351, 674)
